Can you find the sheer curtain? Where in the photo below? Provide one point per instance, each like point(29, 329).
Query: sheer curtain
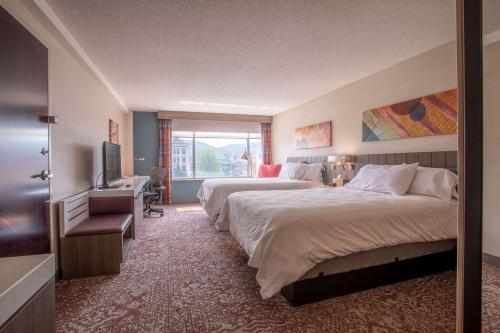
point(166, 158)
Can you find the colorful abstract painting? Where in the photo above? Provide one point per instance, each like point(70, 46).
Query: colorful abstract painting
point(426, 116)
point(314, 136)
point(113, 132)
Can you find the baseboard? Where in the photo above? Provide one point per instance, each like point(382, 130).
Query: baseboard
point(491, 259)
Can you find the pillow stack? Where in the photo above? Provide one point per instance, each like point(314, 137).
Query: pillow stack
point(313, 172)
point(392, 179)
point(406, 178)
point(302, 171)
point(293, 171)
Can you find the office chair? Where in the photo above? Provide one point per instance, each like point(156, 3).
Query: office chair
point(154, 190)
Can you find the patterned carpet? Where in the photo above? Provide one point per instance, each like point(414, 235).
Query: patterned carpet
point(183, 276)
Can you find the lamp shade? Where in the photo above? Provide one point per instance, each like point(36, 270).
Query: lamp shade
point(244, 156)
point(332, 159)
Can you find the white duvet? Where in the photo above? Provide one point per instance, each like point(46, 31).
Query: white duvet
point(214, 192)
point(286, 233)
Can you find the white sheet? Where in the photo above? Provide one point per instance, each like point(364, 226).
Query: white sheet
point(214, 192)
point(286, 233)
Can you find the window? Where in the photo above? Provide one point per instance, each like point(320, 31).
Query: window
point(182, 150)
point(214, 154)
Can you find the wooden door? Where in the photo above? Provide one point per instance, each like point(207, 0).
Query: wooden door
point(24, 227)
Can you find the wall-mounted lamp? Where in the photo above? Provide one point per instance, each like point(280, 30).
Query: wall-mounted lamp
point(346, 162)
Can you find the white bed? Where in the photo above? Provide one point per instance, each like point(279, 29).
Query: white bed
point(214, 192)
point(287, 233)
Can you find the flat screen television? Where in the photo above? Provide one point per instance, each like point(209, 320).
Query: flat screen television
point(111, 163)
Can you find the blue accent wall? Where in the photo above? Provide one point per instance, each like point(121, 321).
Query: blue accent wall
point(146, 142)
point(185, 190)
point(147, 145)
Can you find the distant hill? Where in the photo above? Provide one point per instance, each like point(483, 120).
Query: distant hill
point(230, 150)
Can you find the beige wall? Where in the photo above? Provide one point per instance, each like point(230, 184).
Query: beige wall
point(491, 154)
point(83, 106)
point(431, 72)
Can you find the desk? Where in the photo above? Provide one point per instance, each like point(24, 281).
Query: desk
point(127, 198)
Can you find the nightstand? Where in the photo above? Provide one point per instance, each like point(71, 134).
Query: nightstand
point(337, 182)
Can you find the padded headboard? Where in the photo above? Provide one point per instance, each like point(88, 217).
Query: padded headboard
point(435, 159)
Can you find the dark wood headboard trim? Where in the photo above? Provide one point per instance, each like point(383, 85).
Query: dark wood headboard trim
point(435, 159)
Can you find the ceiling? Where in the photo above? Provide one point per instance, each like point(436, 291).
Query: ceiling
point(250, 57)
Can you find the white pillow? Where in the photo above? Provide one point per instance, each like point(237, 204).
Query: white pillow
point(435, 182)
point(284, 171)
point(393, 179)
point(313, 172)
point(293, 171)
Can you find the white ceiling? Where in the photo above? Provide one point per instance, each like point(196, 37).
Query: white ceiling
point(274, 53)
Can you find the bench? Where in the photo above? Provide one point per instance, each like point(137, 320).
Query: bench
point(94, 244)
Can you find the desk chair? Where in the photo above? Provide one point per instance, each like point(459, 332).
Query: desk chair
point(154, 189)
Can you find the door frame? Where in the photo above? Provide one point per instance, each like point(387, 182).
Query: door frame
point(470, 159)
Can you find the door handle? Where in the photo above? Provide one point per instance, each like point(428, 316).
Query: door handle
point(44, 175)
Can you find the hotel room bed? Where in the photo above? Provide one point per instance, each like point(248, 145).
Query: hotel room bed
point(300, 234)
point(214, 192)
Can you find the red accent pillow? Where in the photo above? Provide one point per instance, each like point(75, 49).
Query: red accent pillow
point(269, 170)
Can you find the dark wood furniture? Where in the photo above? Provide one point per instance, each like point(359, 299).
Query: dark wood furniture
point(37, 315)
point(93, 244)
point(127, 198)
point(326, 286)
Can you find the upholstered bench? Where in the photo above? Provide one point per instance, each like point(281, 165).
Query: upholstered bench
point(101, 224)
point(92, 244)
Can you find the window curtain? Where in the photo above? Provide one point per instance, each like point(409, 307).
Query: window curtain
point(166, 158)
point(267, 150)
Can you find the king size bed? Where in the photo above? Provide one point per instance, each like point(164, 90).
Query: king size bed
point(311, 244)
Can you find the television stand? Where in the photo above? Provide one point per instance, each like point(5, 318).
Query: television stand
point(126, 198)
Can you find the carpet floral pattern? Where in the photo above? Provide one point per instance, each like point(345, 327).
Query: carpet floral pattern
point(183, 276)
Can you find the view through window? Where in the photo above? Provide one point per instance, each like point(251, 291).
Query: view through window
point(214, 154)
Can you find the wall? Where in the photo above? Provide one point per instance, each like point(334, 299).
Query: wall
point(430, 72)
point(491, 152)
point(83, 106)
point(146, 142)
point(185, 191)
